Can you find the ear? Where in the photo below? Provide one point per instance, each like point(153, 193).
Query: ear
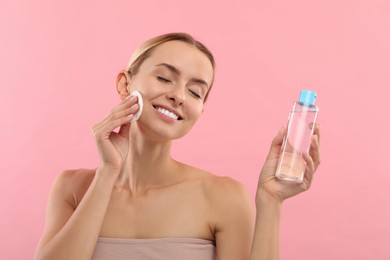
point(122, 83)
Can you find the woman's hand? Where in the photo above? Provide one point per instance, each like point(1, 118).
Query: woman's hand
point(113, 147)
point(282, 190)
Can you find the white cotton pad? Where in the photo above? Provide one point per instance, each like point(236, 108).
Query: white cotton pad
point(140, 104)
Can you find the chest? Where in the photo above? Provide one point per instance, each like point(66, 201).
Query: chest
point(165, 213)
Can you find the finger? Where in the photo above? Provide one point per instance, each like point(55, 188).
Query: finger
point(310, 166)
point(309, 173)
point(127, 102)
point(118, 111)
point(103, 130)
point(278, 139)
point(124, 104)
point(125, 128)
point(307, 181)
point(314, 150)
point(126, 112)
point(276, 144)
point(317, 133)
point(121, 114)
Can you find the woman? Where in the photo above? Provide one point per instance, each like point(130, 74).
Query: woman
point(142, 204)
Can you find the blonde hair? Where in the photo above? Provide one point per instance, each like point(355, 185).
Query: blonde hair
point(145, 50)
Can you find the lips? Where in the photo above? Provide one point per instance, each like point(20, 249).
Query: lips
point(169, 112)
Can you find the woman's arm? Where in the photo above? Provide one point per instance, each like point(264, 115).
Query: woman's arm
point(271, 193)
point(235, 220)
point(72, 233)
point(72, 230)
point(238, 236)
point(266, 237)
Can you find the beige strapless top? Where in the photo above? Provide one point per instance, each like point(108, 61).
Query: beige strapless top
point(154, 249)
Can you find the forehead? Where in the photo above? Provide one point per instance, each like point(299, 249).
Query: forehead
point(186, 58)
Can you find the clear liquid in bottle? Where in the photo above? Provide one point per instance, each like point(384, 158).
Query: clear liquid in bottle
point(301, 122)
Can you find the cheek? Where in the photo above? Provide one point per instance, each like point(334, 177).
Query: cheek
point(196, 111)
point(148, 87)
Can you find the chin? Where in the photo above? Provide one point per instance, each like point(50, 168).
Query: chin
point(162, 133)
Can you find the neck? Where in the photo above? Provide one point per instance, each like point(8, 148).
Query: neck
point(147, 164)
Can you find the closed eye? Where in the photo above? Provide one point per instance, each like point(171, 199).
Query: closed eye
point(195, 94)
point(164, 80)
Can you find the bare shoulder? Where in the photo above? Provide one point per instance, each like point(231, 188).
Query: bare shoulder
point(76, 178)
point(226, 191)
point(77, 175)
point(231, 209)
point(220, 189)
point(73, 183)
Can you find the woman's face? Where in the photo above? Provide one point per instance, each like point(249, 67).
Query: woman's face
point(173, 81)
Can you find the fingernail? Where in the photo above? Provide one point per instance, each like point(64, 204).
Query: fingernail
point(130, 97)
point(130, 117)
point(134, 106)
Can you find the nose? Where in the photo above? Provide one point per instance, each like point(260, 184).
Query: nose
point(177, 95)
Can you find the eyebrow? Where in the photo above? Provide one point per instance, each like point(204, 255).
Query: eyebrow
point(177, 72)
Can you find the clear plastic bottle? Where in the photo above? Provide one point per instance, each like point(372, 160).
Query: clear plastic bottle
point(301, 122)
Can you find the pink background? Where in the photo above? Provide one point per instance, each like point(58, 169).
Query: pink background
point(59, 61)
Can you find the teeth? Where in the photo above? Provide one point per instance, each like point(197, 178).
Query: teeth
point(167, 113)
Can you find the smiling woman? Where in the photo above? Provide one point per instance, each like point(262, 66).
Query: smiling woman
point(140, 203)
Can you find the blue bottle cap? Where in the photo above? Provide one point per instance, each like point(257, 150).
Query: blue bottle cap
point(307, 97)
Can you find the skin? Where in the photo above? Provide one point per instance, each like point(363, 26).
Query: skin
point(271, 193)
point(139, 191)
